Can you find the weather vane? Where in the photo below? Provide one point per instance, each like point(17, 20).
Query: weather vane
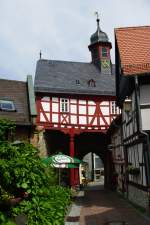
point(40, 54)
point(97, 14)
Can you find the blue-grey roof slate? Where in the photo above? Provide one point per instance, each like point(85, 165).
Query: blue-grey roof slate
point(54, 76)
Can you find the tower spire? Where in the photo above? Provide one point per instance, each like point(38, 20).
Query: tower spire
point(100, 48)
point(98, 20)
point(40, 53)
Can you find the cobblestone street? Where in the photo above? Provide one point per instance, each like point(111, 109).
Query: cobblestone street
point(100, 207)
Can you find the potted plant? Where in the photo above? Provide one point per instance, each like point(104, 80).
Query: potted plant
point(133, 170)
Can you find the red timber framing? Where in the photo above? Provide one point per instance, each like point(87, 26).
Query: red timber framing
point(83, 115)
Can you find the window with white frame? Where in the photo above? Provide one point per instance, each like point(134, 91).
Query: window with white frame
point(64, 105)
point(7, 105)
point(113, 108)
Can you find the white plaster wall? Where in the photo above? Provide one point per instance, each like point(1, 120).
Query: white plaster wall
point(102, 121)
point(82, 109)
point(145, 94)
point(73, 109)
point(54, 99)
point(73, 101)
point(91, 110)
point(105, 110)
point(82, 102)
point(54, 118)
point(145, 115)
point(104, 103)
point(74, 119)
point(145, 100)
point(108, 120)
point(91, 103)
point(54, 107)
point(82, 120)
point(46, 98)
point(46, 106)
point(42, 118)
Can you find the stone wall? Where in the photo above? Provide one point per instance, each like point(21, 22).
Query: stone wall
point(38, 140)
point(138, 196)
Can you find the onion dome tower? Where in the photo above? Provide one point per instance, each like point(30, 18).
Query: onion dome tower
point(100, 49)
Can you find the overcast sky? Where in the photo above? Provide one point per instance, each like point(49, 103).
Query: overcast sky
point(61, 29)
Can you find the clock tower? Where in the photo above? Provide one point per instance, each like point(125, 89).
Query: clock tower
point(100, 49)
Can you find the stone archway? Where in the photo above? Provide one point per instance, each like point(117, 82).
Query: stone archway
point(95, 167)
point(94, 142)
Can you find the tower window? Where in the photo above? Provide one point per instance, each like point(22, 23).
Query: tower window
point(7, 105)
point(104, 52)
point(95, 54)
point(64, 105)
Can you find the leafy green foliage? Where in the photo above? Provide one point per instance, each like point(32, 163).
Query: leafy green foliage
point(23, 175)
point(133, 170)
point(4, 220)
point(7, 128)
point(49, 208)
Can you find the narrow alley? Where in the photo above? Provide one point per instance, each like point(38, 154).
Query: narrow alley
point(102, 207)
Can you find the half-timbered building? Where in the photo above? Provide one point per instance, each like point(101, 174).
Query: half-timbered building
point(76, 102)
point(133, 97)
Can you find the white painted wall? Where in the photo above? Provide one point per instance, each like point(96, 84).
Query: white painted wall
point(145, 94)
point(145, 106)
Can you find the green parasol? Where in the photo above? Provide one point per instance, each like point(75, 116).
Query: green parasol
point(61, 161)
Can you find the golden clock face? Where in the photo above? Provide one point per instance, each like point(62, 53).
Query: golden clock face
point(105, 63)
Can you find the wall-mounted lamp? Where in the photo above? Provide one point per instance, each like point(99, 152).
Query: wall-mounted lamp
point(127, 105)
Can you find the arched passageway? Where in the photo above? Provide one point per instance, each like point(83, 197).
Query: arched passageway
point(95, 168)
point(84, 143)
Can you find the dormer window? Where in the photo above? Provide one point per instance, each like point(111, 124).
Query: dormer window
point(104, 52)
point(7, 105)
point(64, 105)
point(91, 83)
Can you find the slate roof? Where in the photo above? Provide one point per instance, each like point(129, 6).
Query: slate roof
point(134, 49)
point(17, 92)
point(60, 77)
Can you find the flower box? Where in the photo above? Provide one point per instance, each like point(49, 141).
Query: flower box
point(133, 170)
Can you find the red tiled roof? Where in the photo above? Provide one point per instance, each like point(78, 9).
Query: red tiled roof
point(134, 49)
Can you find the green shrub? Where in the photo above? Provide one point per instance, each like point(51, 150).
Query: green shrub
point(49, 208)
point(22, 174)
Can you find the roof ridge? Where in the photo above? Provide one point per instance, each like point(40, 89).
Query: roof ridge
point(132, 27)
point(63, 61)
point(2, 79)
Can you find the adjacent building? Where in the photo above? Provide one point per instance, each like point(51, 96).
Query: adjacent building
point(130, 136)
point(17, 103)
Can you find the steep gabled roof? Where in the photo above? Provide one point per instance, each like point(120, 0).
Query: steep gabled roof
point(134, 49)
point(64, 77)
point(15, 91)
